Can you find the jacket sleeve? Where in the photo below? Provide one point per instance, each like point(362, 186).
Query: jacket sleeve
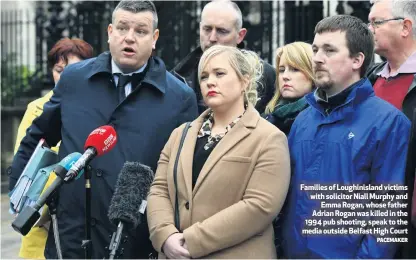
point(388, 168)
point(47, 126)
point(263, 198)
point(160, 215)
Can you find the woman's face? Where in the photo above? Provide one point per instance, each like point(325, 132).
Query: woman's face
point(293, 83)
point(220, 85)
point(60, 65)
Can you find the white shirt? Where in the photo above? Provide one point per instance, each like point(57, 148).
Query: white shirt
point(116, 69)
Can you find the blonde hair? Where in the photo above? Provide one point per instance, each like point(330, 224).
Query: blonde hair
point(245, 63)
point(299, 56)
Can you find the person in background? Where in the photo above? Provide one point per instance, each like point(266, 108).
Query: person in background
point(222, 23)
point(347, 136)
point(129, 89)
point(294, 81)
point(65, 52)
point(393, 24)
point(233, 171)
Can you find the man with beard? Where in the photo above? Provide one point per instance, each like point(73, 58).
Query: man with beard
point(221, 23)
point(347, 136)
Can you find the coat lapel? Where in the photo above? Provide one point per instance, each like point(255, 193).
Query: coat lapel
point(235, 135)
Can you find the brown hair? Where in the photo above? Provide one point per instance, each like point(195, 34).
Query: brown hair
point(65, 47)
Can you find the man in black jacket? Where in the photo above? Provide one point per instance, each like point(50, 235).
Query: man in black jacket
point(221, 23)
point(144, 110)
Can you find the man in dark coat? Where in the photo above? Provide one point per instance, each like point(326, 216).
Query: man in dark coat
point(144, 113)
point(221, 23)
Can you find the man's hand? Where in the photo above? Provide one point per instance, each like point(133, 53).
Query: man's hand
point(173, 247)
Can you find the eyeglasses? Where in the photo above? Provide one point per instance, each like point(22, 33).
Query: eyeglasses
point(376, 24)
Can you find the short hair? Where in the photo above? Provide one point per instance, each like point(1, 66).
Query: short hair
point(359, 38)
point(403, 8)
point(299, 56)
point(239, 20)
point(66, 47)
point(137, 7)
point(243, 62)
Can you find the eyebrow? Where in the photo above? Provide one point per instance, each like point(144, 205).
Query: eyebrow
point(325, 45)
point(214, 69)
point(140, 24)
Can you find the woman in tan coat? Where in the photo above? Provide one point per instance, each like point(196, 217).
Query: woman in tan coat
point(232, 174)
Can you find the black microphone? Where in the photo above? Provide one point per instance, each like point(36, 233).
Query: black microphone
point(129, 200)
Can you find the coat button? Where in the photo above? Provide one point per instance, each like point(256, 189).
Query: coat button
point(99, 173)
point(187, 205)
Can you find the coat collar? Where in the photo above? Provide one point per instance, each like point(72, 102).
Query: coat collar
point(361, 91)
point(242, 129)
point(155, 76)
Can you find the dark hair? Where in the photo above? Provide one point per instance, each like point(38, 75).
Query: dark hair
point(65, 47)
point(359, 37)
point(136, 7)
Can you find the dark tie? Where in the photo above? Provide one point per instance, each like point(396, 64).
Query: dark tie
point(122, 82)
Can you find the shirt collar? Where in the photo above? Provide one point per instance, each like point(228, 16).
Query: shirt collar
point(115, 69)
point(409, 66)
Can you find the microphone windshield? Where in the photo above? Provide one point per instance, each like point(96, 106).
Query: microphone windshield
point(132, 187)
point(103, 139)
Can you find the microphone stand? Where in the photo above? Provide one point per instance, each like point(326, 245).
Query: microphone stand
point(86, 244)
point(115, 240)
point(52, 203)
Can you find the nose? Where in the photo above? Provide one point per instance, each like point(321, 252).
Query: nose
point(130, 36)
point(210, 82)
point(317, 57)
point(285, 76)
point(213, 36)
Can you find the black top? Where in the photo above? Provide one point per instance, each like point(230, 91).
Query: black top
point(200, 157)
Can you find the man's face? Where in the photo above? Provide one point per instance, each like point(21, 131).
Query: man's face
point(131, 39)
point(386, 35)
point(332, 65)
point(218, 26)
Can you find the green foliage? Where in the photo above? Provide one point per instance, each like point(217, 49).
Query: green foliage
point(14, 79)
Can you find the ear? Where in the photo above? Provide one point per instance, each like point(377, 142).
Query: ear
point(241, 34)
point(109, 31)
point(407, 28)
point(155, 37)
point(357, 61)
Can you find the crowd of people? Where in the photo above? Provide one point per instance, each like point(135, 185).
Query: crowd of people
point(229, 137)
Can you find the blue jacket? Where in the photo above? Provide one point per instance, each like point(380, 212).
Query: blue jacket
point(84, 99)
point(363, 141)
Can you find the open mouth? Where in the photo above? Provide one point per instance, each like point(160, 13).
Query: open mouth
point(129, 50)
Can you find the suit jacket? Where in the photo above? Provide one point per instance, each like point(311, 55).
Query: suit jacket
point(240, 190)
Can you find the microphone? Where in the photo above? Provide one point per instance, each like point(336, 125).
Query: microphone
point(30, 214)
point(99, 141)
point(129, 200)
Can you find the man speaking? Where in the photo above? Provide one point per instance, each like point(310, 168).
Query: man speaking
point(128, 89)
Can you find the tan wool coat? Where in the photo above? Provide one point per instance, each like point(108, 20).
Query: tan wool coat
point(240, 190)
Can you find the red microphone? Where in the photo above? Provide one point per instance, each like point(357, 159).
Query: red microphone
point(99, 142)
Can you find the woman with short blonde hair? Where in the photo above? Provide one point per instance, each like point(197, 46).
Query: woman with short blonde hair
point(220, 184)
